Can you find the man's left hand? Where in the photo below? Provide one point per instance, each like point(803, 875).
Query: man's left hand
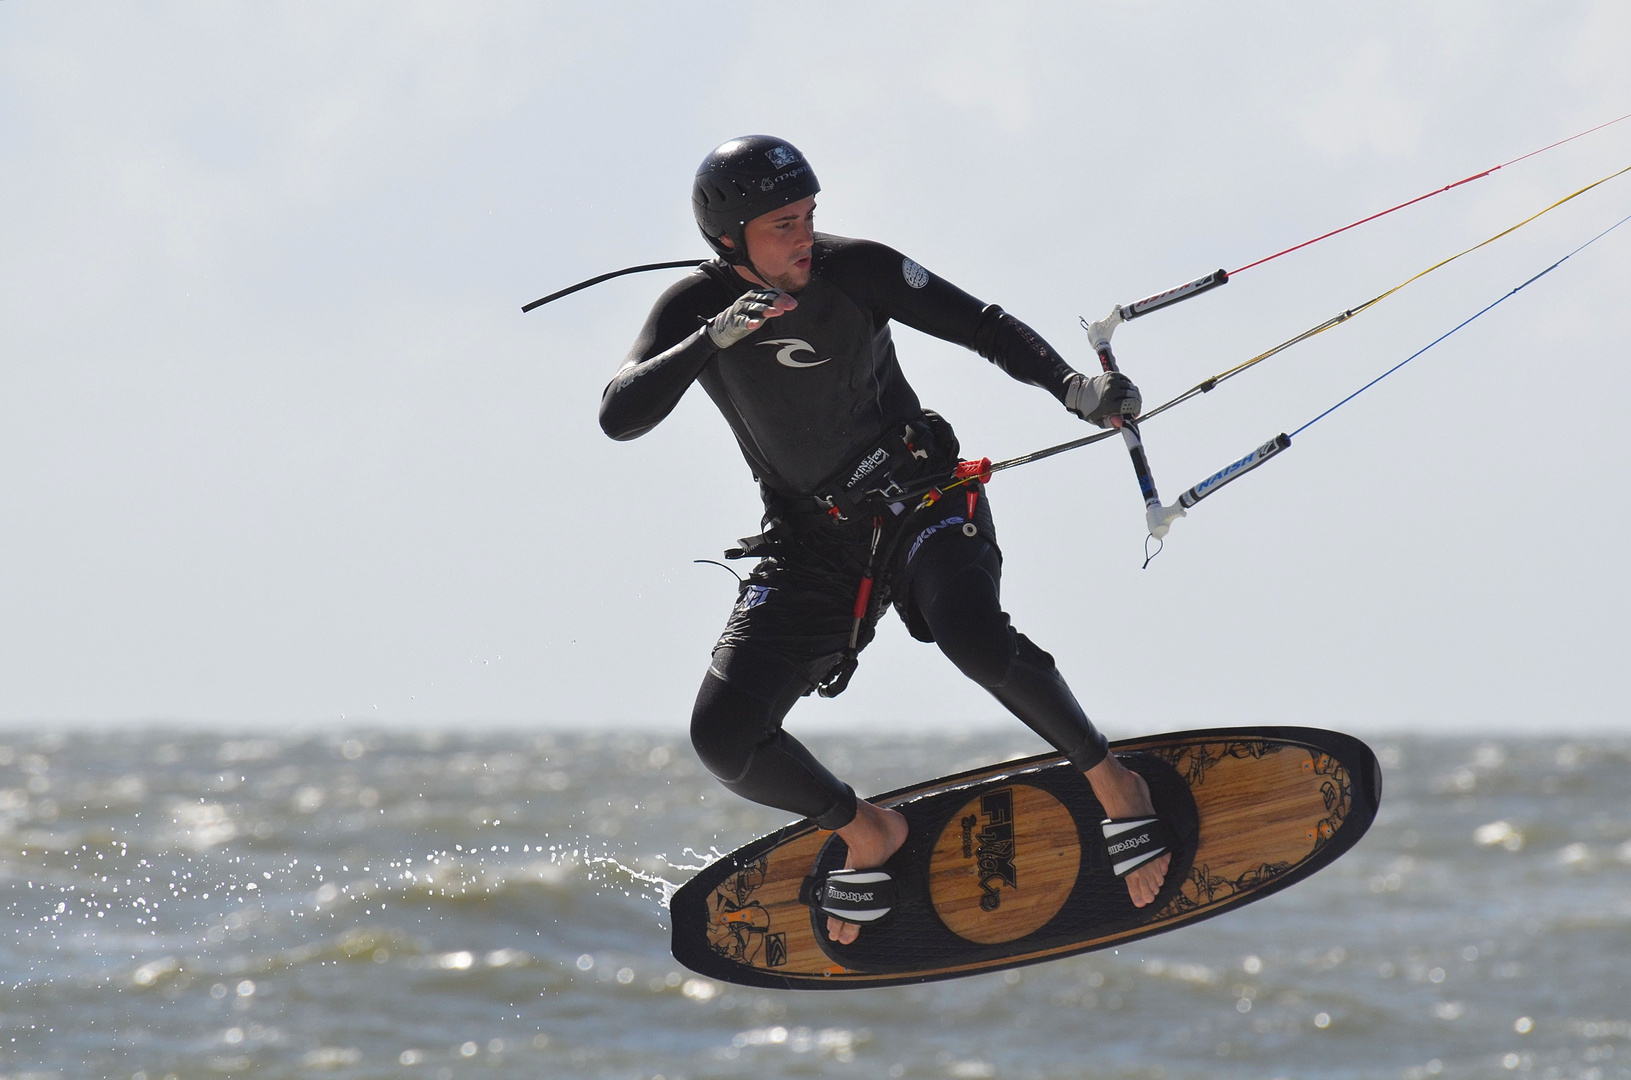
point(1100, 399)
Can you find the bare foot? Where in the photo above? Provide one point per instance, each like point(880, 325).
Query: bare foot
point(1124, 793)
point(873, 835)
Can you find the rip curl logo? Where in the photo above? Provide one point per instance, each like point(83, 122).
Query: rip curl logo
point(791, 345)
point(781, 156)
point(911, 552)
point(994, 856)
point(915, 275)
point(753, 597)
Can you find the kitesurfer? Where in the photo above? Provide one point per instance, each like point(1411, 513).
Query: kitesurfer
point(787, 330)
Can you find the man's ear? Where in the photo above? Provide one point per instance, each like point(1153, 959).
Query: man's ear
point(728, 242)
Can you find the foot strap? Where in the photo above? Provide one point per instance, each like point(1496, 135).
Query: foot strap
point(1132, 842)
point(857, 896)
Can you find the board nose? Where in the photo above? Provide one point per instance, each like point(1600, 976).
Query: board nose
point(1371, 778)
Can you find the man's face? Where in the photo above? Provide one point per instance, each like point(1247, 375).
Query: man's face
point(779, 244)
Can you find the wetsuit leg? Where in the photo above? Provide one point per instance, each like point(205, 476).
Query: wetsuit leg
point(956, 586)
point(736, 727)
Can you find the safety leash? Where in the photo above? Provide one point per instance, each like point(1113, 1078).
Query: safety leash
point(838, 678)
point(570, 289)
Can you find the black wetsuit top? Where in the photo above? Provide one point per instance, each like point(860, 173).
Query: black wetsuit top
point(811, 389)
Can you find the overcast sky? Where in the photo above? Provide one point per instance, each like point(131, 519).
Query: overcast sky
point(278, 447)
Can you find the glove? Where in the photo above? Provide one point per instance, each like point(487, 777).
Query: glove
point(1101, 397)
point(747, 315)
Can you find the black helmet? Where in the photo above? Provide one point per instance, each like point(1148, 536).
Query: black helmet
point(742, 180)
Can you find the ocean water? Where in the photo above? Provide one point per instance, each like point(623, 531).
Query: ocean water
point(441, 905)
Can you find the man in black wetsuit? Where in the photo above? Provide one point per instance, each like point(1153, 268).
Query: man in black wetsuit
point(788, 332)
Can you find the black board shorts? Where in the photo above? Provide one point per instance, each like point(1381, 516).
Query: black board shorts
point(798, 603)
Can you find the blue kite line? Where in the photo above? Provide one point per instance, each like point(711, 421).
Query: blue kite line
point(1447, 333)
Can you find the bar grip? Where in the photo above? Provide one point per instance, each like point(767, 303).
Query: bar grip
point(1234, 471)
point(1173, 296)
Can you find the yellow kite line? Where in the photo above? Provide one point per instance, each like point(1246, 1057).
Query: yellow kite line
point(1208, 384)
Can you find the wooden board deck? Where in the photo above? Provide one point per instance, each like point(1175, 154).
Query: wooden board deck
point(1003, 865)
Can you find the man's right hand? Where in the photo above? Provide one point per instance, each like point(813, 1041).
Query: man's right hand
point(747, 315)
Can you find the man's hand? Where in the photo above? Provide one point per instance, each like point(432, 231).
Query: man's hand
point(747, 315)
point(1102, 397)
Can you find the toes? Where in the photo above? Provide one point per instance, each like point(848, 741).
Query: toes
point(842, 932)
point(1144, 883)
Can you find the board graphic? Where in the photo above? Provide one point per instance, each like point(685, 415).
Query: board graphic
point(1004, 865)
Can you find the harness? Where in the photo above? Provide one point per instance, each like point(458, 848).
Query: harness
point(902, 467)
point(879, 477)
point(905, 473)
point(838, 678)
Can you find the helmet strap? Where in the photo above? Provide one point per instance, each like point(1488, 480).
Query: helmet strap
point(738, 256)
point(763, 277)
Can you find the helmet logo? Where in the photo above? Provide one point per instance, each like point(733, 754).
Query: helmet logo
point(789, 346)
point(768, 184)
point(781, 156)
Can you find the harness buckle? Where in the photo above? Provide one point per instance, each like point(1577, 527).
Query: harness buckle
point(764, 543)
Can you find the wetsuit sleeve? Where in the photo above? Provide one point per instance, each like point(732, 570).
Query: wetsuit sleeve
point(902, 290)
point(666, 359)
point(1021, 352)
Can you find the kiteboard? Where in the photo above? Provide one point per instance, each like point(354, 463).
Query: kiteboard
point(1007, 865)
